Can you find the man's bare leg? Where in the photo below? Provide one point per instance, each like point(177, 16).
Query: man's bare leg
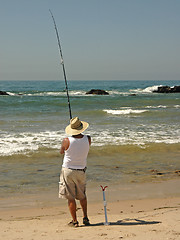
point(84, 206)
point(72, 209)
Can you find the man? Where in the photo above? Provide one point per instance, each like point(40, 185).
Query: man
point(72, 183)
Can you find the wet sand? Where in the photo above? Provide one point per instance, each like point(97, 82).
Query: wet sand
point(147, 211)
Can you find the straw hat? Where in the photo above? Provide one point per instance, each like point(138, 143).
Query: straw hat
point(76, 126)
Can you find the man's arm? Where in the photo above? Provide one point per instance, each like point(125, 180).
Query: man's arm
point(89, 139)
point(64, 145)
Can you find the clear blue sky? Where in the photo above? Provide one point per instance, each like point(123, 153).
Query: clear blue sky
point(101, 39)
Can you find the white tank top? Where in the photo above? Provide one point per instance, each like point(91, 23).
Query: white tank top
point(75, 156)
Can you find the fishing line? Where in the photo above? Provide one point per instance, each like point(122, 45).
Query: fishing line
point(62, 63)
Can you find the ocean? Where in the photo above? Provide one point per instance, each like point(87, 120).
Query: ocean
point(135, 132)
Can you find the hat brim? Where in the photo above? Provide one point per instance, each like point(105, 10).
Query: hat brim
point(77, 131)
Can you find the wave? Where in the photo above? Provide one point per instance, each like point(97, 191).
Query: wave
point(124, 111)
point(163, 106)
point(77, 92)
point(26, 142)
point(40, 94)
point(62, 93)
point(177, 106)
point(141, 137)
point(160, 106)
point(11, 94)
point(127, 92)
point(149, 89)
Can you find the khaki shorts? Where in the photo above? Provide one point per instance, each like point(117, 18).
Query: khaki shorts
point(72, 184)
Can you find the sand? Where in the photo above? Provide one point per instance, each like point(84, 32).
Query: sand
point(138, 218)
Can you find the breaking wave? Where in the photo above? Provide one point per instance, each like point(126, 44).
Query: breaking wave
point(13, 143)
point(124, 111)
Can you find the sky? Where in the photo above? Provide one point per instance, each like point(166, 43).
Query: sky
point(100, 39)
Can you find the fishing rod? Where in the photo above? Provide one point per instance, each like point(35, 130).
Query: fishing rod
point(62, 63)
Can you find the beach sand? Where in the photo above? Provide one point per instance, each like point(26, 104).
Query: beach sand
point(144, 217)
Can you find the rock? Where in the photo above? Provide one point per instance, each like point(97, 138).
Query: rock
point(167, 89)
point(176, 89)
point(3, 93)
point(97, 92)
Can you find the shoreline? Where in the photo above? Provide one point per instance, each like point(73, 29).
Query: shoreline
point(114, 192)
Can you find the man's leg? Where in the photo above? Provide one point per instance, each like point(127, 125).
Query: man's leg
point(84, 206)
point(72, 209)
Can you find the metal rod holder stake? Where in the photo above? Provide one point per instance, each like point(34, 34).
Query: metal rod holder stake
point(105, 204)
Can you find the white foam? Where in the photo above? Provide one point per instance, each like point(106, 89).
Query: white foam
point(151, 89)
point(130, 136)
point(45, 94)
point(23, 143)
point(124, 111)
point(114, 92)
point(160, 106)
point(83, 93)
point(61, 93)
point(177, 106)
point(146, 90)
point(11, 94)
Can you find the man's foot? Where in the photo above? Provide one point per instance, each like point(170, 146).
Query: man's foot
point(86, 221)
point(73, 224)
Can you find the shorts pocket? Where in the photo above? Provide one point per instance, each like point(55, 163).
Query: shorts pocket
point(62, 190)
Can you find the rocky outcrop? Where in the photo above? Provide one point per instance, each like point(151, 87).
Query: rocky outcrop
point(97, 92)
point(3, 93)
point(167, 89)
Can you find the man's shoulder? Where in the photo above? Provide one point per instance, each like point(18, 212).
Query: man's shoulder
point(65, 140)
point(66, 143)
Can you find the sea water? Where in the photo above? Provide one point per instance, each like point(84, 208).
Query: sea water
point(135, 132)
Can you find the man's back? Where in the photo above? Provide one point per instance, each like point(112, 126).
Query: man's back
point(76, 154)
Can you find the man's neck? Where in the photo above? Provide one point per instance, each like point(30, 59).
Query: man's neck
point(78, 136)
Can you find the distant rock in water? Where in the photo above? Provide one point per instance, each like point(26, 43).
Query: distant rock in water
point(167, 89)
point(97, 92)
point(3, 93)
